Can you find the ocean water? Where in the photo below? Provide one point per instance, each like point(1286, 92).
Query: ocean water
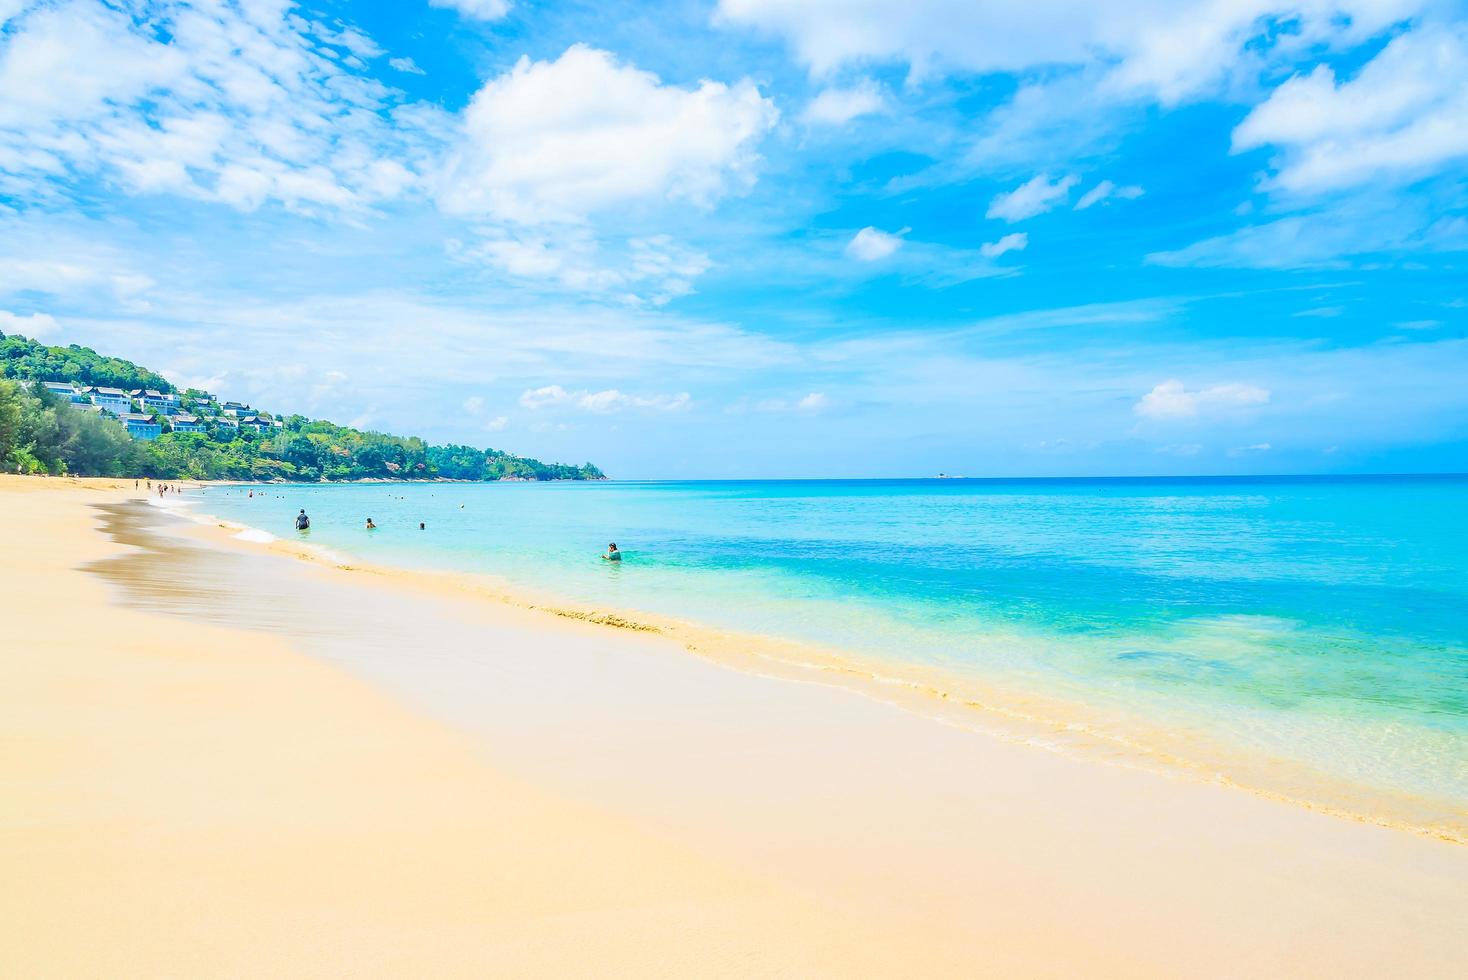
point(1303, 636)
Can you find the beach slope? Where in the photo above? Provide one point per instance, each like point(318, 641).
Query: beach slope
point(218, 760)
point(184, 800)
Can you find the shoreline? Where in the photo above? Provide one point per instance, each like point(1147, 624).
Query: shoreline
point(186, 798)
point(1046, 722)
point(250, 764)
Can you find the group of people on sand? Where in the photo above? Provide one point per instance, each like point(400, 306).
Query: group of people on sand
point(303, 523)
point(162, 487)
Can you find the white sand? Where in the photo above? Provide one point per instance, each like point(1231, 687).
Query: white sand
point(420, 784)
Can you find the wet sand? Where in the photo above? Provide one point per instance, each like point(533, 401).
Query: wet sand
point(219, 760)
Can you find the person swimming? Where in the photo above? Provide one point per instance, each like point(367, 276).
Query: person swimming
point(370, 525)
point(303, 523)
point(612, 553)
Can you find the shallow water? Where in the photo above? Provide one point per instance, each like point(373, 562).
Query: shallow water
point(1323, 621)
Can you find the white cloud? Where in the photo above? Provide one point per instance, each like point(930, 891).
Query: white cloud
point(838, 106)
point(813, 402)
point(1035, 196)
point(1189, 49)
point(808, 404)
point(474, 407)
point(34, 326)
point(1180, 449)
point(546, 397)
point(549, 145)
point(478, 9)
point(1172, 400)
point(1401, 116)
point(1105, 191)
point(567, 259)
point(559, 140)
point(83, 270)
point(1013, 242)
point(1327, 236)
point(360, 45)
point(237, 103)
point(1258, 447)
point(601, 402)
point(670, 267)
point(1324, 312)
point(1170, 50)
point(930, 35)
point(652, 270)
point(1417, 324)
point(406, 65)
point(1051, 118)
point(872, 244)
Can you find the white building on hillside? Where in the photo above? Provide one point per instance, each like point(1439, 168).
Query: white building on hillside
point(141, 426)
point(115, 400)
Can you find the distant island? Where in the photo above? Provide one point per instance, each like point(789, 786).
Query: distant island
point(70, 410)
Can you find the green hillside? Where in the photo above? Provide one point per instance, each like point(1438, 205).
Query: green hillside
point(42, 432)
point(28, 360)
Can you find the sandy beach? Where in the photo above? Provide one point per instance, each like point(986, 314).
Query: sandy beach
point(219, 760)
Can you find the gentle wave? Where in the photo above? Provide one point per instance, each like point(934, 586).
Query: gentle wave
point(1299, 642)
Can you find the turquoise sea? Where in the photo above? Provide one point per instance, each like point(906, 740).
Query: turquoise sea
point(1307, 636)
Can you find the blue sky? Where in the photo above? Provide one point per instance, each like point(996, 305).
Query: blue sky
point(739, 238)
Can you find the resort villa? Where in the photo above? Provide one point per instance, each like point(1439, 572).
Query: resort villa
point(168, 404)
point(260, 424)
point(62, 389)
point(141, 426)
point(139, 409)
point(114, 400)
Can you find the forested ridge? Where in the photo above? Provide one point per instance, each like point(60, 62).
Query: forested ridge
point(41, 432)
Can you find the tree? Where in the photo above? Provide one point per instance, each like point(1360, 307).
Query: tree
point(94, 446)
point(9, 422)
point(42, 433)
point(29, 360)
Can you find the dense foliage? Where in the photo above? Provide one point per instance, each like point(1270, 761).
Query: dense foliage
point(28, 360)
point(307, 450)
point(40, 433)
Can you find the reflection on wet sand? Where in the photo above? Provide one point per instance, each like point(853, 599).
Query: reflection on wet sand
point(169, 574)
point(934, 830)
